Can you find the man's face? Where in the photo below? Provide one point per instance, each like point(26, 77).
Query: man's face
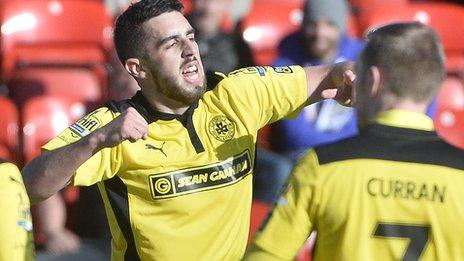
point(172, 58)
point(321, 39)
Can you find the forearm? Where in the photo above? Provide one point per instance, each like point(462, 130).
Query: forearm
point(315, 75)
point(50, 172)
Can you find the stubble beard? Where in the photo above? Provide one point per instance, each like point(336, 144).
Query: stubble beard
point(173, 89)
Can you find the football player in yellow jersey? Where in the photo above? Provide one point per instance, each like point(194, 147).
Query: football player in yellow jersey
point(394, 192)
point(174, 163)
point(16, 240)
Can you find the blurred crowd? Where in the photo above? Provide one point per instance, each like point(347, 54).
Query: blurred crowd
point(231, 34)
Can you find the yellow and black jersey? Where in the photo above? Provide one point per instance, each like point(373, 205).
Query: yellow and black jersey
point(16, 240)
point(185, 192)
point(394, 192)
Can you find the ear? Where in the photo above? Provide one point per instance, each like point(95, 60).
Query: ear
point(135, 69)
point(375, 75)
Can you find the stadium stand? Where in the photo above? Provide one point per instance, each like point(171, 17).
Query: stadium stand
point(439, 15)
point(263, 34)
point(46, 33)
point(80, 83)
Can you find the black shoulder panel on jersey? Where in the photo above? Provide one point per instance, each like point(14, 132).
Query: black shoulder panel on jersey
point(121, 106)
point(212, 80)
point(117, 196)
point(118, 106)
point(394, 144)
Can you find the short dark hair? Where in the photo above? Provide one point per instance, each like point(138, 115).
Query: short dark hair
point(410, 56)
point(129, 36)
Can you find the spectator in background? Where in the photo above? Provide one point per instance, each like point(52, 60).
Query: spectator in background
point(221, 48)
point(321, 40)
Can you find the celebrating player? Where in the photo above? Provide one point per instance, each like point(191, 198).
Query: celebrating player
point(174, 162)
point(394, 191)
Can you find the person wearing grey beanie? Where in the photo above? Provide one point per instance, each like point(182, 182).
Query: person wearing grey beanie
point(333, 11)
point(320, 40)
point(324, 23)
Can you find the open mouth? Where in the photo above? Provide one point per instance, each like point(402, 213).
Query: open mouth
point(190, 73)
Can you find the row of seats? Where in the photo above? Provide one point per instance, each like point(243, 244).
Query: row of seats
point(264, 34)
point(41, 118)
point(54, 58)
point(53, 46)
point(39, 59)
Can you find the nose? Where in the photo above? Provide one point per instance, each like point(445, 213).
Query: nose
point(189, 48)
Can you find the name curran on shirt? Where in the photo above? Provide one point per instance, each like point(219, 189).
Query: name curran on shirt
point(406, 189)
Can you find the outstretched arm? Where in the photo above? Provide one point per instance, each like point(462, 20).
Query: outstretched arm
point(52, 171)
point(330, 81)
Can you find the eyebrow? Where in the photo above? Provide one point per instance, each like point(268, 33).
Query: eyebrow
point(175, 36)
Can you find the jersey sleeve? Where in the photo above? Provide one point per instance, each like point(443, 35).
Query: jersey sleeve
point(267, 94)
point(103, 164)
point(16, 241)
point(292, 219)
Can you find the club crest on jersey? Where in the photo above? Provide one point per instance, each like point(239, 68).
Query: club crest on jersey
point(283, 69)
point(178, 183)
point(222, 128)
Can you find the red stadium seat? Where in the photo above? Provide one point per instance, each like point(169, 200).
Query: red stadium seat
point(56, 31)
point(259, 212)
point(443, 17)
point(78, 83)
point(9, 122)
point(449, 118)
point(263, 33)
point(363, 8)
point(43, 118)
point(187, 6)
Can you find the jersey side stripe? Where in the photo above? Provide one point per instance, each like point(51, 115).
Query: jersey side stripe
point(117, 196)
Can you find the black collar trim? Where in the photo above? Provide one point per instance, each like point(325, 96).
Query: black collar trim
point(141, 104)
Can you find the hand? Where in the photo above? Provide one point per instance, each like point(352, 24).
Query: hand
point(338, 84)
point(61, 242)
point(130, 125)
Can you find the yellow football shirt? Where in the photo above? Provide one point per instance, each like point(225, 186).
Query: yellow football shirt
point(392, 193)
point(16, 240)
point(185, 192)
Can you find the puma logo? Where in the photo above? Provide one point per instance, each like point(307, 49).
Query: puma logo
point(151, 147)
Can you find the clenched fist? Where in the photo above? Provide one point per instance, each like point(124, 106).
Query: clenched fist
point(130, 125)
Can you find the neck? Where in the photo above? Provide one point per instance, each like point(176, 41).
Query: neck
point(390, 102)
point(162, 103)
